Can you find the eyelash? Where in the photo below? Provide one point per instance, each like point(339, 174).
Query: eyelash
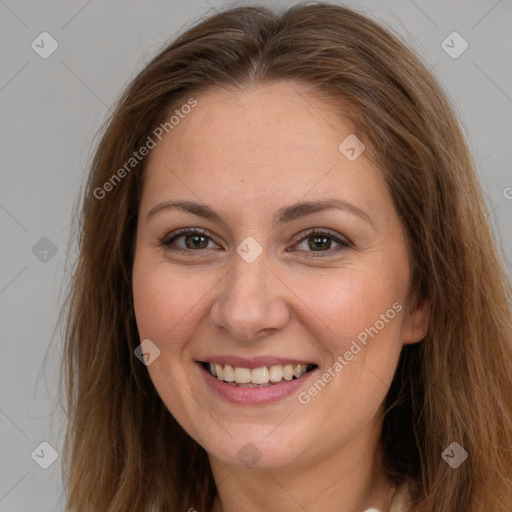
point(344, 244)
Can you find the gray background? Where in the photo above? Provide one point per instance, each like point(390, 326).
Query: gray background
point(51, 111)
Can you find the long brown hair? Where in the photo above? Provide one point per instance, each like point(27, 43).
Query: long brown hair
point(123, 449)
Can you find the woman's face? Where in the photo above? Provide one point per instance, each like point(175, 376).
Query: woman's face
point(269, 289)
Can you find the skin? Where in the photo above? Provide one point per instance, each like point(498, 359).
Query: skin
point(247, 153)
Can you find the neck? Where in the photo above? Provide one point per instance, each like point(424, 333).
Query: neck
point(347, 478)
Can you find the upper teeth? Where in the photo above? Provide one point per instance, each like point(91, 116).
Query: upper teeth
point(262, 375)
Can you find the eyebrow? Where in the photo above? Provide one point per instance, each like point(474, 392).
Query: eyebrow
point(281, 216)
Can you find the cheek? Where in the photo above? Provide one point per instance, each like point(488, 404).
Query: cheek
point(364, 354)
point(168, 301)
point(351, 302)
point(154, 295)
point(154, 302)
point(164, 311)
point(361, 312)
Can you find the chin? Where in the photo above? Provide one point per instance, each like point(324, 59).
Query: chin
point(253, 450)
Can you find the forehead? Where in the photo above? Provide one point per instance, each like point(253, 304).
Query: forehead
point(276, 140)
point(265, 119)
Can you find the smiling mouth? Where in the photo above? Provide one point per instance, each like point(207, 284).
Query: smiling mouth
point(257, 377)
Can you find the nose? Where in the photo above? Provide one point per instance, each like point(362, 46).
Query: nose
point(252, 301)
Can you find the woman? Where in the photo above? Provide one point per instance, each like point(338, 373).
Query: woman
point(288, 295)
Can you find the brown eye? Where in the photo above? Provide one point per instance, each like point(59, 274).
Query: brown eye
point(321, 242)
point(192, 239)
point(195, 241)
point(318, 243)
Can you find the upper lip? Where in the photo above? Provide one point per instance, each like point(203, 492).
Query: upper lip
point(253, 362)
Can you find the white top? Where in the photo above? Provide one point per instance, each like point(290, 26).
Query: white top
point(401, 499)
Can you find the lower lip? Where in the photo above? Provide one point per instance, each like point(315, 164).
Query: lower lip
point(253, 396)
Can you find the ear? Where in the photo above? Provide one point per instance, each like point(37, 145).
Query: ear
point(416, 320)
